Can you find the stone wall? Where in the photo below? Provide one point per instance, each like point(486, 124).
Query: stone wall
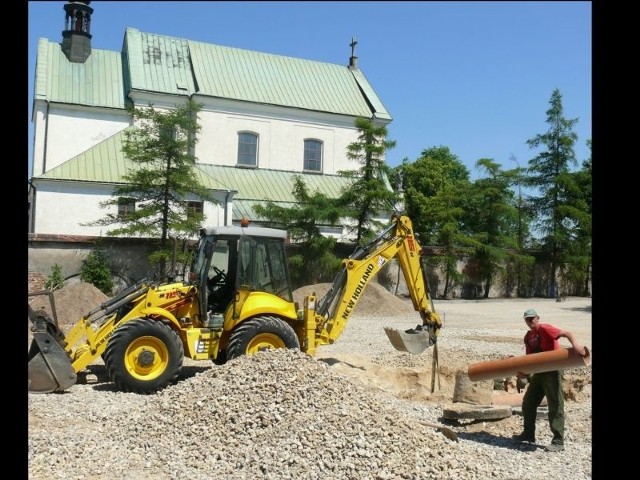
point(128, 261)
point(128, 258)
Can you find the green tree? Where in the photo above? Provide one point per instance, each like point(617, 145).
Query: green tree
point(163, 181)
point(490, 220)
point(55, 280)
point(549, 174)
point(436, 189)
point(369, 195)
point(316, 262)
point(577, 270)
point(520, 264)
point(95, 270)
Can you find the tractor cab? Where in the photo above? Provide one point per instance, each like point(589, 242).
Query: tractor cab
point(232, 262)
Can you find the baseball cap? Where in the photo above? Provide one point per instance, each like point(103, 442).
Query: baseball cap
point(530, 313)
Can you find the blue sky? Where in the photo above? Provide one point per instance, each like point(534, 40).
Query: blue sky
point(476, 77)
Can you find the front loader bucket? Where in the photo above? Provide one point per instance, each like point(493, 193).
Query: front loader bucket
point(415, 340)
point(50, 368)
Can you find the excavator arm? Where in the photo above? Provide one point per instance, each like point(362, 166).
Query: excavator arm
point(332, 312)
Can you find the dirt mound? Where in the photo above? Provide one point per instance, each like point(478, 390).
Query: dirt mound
point(376, 300)
point(72, 302)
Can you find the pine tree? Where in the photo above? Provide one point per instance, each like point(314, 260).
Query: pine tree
point(368, 196)
point(161, 145)
point(550, 175)
point(316, 262)
point(578, 262)
point(489, 221)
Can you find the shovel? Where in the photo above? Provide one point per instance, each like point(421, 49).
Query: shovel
point(446, 431)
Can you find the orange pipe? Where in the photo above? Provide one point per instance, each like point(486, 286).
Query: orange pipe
point(532, 363)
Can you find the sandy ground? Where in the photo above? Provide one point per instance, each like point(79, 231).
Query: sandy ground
point(473, 331)
point(573, 314)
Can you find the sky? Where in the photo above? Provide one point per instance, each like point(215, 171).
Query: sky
point(476, 77)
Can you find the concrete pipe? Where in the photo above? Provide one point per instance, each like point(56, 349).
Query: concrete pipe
point(533, 363)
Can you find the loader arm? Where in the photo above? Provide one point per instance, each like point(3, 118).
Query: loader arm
point(335, 308)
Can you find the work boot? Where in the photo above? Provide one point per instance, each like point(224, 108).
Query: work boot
point(554, 447)
point(524, 437)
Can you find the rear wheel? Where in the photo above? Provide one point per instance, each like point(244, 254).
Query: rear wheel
point(144, 356)
point(261, 333)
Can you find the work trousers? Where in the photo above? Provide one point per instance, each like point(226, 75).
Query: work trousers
point(543, 384)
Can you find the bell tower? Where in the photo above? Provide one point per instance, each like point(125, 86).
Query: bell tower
point(76, 37)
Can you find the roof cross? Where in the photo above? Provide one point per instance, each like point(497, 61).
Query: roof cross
point(353, 44)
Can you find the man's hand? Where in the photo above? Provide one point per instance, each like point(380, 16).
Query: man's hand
point(580, 350)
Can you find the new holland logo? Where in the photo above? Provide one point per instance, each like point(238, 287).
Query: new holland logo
point(358, 291)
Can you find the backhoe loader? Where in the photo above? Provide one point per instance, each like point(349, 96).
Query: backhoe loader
point(236, 300)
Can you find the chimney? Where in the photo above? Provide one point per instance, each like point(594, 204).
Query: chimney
point(76, 37)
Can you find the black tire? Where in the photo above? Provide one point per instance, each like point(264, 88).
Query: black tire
point(144, 356)
point(261, 333)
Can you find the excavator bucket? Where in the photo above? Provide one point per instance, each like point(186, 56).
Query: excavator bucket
point(414, 340)
point(49, 367)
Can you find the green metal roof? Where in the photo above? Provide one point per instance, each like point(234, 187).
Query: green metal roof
point(244, 209)
point(103, 163)
point(257, 186)
point(169, 65)
point(258, 77)
point(98, 82)
point(262, 184)
point(158, 63)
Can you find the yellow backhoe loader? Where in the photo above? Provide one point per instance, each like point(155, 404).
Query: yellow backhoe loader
point(236, 301)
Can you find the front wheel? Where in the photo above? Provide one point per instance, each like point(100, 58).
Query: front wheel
point(144, 356)
point(261, 333)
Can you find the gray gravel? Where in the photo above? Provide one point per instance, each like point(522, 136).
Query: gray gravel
point(349, 413)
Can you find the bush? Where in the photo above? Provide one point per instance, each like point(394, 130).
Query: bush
point(95, 270)
point(55, 280)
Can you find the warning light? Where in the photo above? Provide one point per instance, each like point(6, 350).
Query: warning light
point(244, 222)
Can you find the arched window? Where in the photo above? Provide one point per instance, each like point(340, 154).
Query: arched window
point(248, 149)
point(312, 155)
